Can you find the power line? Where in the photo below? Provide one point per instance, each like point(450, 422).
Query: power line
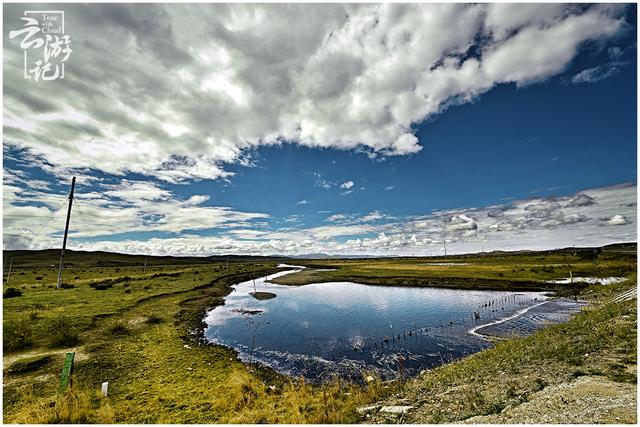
point(84, 224)
point(53, 214)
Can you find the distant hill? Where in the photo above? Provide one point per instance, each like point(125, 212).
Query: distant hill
point(110, 259)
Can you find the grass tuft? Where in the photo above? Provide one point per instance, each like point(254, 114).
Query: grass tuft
point(17, 334)
point(28, 364)
point(11, 292)
point(62, 333)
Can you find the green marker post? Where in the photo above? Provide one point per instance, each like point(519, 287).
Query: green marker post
point(67, 370)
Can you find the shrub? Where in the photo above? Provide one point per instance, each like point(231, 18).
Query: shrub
point(11, 292)
point(28, 364)
point(153, 319)
point(102, 286)
point(62, 333)
point(17, 334)
point(119, 329)
point(38, 277)
point(67, 286)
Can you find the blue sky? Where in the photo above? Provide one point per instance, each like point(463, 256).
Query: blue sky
point(530, 147)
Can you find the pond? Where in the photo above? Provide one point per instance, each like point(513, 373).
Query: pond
point(325, 329)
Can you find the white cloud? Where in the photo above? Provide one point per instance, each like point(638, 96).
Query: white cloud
point(581, 200)
point(389, 188)
point(523, 224)
point(303, 202)
point(129, 207)
point(346, 185)
point(193, 88)
point(595, 74)
point(372, 216)
point(336, 217)
point(604, 71)
point(618, 220)
point(462, 222)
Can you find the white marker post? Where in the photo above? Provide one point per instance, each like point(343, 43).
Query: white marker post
point(105, 388)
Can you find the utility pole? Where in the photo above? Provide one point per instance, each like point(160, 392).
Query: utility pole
point(66, 231)
point(144, 270)
point(10, 265)
point(444, 237)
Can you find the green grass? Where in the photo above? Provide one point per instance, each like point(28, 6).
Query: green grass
point(141, 343)
point(511, 271)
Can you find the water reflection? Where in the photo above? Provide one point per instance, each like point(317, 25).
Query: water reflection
point(344, 328)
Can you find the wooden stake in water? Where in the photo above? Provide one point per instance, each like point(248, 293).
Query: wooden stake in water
point(254, 278)
point(252, 347)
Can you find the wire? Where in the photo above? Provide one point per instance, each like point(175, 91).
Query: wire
point(84, 224)
point(53, 214)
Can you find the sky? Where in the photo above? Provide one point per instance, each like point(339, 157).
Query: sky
point(325, 129)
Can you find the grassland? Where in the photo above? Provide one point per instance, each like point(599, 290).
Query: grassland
point(138, 329)
point(499, 271)
point(137, 333)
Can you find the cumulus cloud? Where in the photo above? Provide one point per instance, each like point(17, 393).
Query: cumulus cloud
point(346, 185)
point(462, 222)
point(581, 200)
point(117, 214)
point(618, 220)
point(179, 92)
point(127, 207)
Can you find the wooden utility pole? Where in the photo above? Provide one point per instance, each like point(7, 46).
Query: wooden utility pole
point(66, 231)
point(9, 274)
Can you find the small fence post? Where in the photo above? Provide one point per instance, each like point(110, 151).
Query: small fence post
point(105, 388)
point(67, 371)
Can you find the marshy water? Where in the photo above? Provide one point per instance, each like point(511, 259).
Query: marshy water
point(342, 328)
